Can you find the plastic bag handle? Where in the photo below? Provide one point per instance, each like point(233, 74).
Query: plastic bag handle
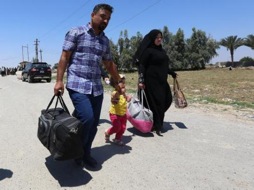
point(143, 94)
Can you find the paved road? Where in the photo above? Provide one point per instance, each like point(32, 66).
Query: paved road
point(198, 150)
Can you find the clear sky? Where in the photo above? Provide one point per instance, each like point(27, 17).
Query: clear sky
point(24, 21)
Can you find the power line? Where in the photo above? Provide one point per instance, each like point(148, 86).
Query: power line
point(124, 22)
point(67, 18)
point(134, 16)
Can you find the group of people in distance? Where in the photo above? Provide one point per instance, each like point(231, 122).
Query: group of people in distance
point(84, 49)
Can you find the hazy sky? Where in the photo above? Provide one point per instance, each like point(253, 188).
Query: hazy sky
point(24, 21)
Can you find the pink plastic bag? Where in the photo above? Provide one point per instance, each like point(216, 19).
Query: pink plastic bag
point(140, 117)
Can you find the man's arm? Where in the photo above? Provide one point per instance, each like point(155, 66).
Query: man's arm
point(104, 74)
point(112, 69)
point(62, 65)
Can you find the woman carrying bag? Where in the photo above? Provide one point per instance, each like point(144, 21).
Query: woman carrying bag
point(153, 69)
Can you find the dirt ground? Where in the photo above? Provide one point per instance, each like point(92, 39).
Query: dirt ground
point(204, 146)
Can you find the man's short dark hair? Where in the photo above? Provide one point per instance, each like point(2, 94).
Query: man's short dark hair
point(103, 6)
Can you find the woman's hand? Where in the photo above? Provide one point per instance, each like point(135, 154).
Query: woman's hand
point(141, 86)
point(174, 75)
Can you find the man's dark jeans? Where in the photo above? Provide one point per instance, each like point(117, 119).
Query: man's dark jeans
point(87, 110)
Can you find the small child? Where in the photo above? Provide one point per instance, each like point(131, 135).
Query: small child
point(117, 111)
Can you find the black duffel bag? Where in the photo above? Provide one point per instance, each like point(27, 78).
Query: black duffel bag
point(59, 132)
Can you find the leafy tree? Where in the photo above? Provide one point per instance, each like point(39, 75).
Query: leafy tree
point(246, 62)
point(232, 43)
point(212, 45)
point(120, 43)
point(134, 44)
point(246, 59)
point(168, 44)
point(249, 41)
point(125, 53)
point(167, 36)
point(114, 52)
point(55, 66)
point(178, 48)
point(200, 49)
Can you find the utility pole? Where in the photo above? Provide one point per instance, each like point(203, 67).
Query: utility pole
point(41, 54)
point(23, 53)
point(27, 53)
point(36, 50)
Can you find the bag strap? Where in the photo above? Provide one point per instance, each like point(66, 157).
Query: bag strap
point(143, 94)
point(60, 99)
point(51, 101)
point(176, 85)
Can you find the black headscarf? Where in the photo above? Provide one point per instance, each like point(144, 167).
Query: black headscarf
point(148, 41)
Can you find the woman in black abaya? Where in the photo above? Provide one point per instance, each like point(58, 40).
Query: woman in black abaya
point(153, 69)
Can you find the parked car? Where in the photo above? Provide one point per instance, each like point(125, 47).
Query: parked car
point(36, 72)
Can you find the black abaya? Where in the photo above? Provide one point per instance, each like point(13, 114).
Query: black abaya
point(154, 65)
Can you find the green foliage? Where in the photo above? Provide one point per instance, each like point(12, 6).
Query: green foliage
point(218, 85)
point(176, 50)
point(200, 49)
point(232, 43)
point(246, 59)
point(55, 66)
point(114, 52)
point(192, 53)
point(249, 41)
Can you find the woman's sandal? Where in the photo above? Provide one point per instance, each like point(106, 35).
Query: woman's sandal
point(106, 136)
point(118, 142)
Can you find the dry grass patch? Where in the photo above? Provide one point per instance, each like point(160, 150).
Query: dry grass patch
point(220, 86)
point(234, 87)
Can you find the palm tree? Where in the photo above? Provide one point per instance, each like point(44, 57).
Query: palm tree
point(249, 41)
point(232, 43)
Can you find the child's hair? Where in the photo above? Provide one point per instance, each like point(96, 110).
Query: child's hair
point(113, 83)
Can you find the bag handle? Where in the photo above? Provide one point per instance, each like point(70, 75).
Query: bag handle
point(63, 103)
point(51, 101)
point(143, 94)
point(176, 85)
point(60, 99)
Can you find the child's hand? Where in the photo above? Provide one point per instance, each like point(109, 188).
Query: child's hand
point(128, 98)
point(115, 98)
point(114, 101)
point(123, 90)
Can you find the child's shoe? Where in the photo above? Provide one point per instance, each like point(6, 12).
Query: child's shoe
point(118, 142)
point(106, 136)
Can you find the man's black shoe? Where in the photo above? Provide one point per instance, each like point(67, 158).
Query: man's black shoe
point(90, 161)
point(79, 162)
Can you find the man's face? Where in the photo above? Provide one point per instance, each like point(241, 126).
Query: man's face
point(100, 19)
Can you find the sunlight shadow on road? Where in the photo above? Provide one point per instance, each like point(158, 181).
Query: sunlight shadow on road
point(5, 173)
point(167, 126)
point(101, 121)
point(67, 173)
point(180, 125)
point(105, 152)
point(134, 132)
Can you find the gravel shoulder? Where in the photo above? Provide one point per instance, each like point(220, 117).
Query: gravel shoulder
point(203, 147)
